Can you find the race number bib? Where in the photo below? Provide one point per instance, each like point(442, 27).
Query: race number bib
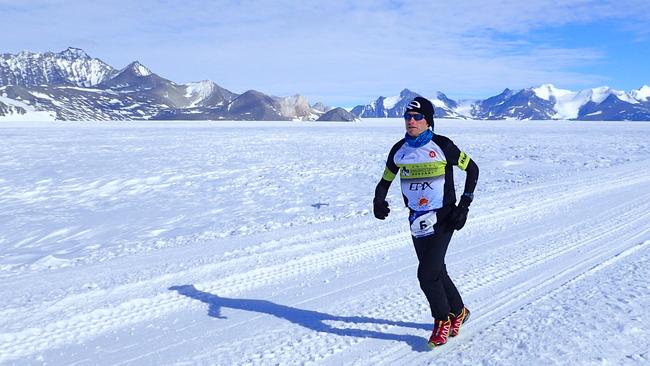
point(423, 225)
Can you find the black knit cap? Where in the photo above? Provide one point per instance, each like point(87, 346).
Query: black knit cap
point(422, 105)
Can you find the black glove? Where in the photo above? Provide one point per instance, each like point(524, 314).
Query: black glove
point(458, 215)
point(380, 208)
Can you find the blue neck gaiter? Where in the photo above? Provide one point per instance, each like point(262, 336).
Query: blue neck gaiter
point(420, 140)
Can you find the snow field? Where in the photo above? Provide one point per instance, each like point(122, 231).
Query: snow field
point(255, 244)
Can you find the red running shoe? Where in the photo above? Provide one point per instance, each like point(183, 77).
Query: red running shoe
point(457, 321)
point(440, 333)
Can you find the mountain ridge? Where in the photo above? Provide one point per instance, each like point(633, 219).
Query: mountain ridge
point(71, 85)
point(545, 102)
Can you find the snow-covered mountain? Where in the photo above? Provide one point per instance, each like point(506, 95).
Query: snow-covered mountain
point(320, 107)
point(70, 67)
point(134, 77)
point(73, 86)
point(207, 94)
point(385, 106)
point(17, 111)
point(601, 103)
point(395, 106)
point(297, 107)
point(523, 104)
point(83, 104)
point(541, 103)
point(337, 114)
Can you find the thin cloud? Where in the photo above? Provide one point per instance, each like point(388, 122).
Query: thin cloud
point(331, 48)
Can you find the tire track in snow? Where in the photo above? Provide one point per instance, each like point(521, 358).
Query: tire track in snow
point(547, 249)
point(310, 346)
point(263, 252)
point(136, 310)
point(578, 261)
point(301, 346)
point(84, 326)
point(501, 310)
point(267, 253)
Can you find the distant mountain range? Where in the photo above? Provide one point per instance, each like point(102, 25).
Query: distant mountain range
point(542, 103)
point(71, 85)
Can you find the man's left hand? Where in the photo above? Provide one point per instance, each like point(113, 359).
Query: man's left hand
point(458, 215)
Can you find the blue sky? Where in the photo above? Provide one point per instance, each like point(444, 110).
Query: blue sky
point(345, 53)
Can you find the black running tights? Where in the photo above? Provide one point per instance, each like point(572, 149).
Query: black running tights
point(440, 291)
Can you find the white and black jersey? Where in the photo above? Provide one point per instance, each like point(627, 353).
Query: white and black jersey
point(425, 172)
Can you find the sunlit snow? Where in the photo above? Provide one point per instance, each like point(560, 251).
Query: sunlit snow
point(254, 243)
point(140, 69)
point(641, 94)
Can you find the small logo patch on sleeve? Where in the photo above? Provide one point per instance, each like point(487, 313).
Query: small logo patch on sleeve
point(463, 160)
point(388, 175)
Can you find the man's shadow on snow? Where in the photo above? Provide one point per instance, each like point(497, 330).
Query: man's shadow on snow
point(313, 320)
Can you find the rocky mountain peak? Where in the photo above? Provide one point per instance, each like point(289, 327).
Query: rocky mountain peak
point(137, 69)
point(72, 53)
point(69, 67)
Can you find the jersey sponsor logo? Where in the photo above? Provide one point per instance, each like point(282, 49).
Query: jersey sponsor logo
point(423, 170)
point(432, 154)
point(423, 186)
point(423, 194)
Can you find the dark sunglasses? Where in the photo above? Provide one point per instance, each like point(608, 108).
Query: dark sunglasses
point(418, 116)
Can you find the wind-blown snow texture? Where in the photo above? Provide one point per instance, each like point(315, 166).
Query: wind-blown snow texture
point(232, 243)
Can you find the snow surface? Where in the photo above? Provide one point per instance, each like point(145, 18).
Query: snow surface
point(140, 69)
point(390, 102)
point(229, 243)
point(31, 113)
point(198, 91)
point(548, 91)
point(465, 107)
point(438, 103)
point(99, 91)
point(41, 95)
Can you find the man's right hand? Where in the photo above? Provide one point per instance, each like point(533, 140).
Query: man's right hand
point(380, 208)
